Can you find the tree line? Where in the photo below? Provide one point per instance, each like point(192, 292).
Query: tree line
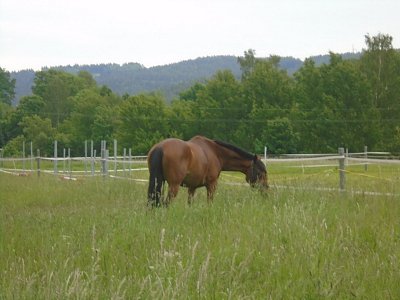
point(343, 103)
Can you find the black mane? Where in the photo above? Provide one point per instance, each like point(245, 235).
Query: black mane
point(239, 151)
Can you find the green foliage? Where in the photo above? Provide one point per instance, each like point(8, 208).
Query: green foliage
point(5, 112)
point(247, 62)
point(92, 117)
point(56, 89)
point(14, 147)
point(327, 103)
point(335, 102)
point(40, 132)
point(216, 107)
point(142, 122)
point(7, 87)
point(29, 106)
point(381, 64)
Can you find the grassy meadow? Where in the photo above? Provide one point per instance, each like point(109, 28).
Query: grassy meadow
point(95, 238)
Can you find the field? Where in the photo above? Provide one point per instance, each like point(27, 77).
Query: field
point(95, 238)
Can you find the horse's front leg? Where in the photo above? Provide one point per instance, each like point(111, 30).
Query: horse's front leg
point(191, 195)
point(211, 187)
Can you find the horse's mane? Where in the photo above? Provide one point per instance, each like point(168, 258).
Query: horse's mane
point(239, 151)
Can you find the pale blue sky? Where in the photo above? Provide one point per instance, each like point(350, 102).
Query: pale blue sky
point(38, 33)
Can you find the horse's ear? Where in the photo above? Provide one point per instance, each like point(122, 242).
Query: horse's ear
point(255, 158)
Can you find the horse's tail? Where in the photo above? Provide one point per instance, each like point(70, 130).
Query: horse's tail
point(156, 179)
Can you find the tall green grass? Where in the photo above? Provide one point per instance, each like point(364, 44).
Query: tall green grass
point(95, 238)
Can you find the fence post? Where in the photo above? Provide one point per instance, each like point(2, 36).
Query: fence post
point(32, 157)
point(85, 161)
point(265, 154)
point(92, 155)
point(115, 157)
point(38, 161)
point(342, 173)
point(104, 157)
point(124, 163)
point(64, 160)
point(107, 152)
point(366, 156)
point(69, 163)
point(23, 157)
point(55, 158)
point(129, 161)
point(94, 162)
point(1, 157)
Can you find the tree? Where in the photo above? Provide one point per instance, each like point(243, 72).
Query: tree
point(35, 129)
point(182, 118)
point(40, 132)
point(104, 123)
point(334, 107)
point(357, 120)
point(279, 136)
point(27, 107)
point(247, 62)
point(7, 87)
point(56, 89)
point(381, 65)
point(89, 110)
point(218, 109)
point(5, 112)
point(88, 79)
point(268, 94)
point(142, 122)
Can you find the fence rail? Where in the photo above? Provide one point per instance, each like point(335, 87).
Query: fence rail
point(117, 165)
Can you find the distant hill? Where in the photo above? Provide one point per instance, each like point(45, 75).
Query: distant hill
point(134, 78)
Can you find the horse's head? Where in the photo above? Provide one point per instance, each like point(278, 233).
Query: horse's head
point(256, 175)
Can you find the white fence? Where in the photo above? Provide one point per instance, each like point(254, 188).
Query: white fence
point(123, 166)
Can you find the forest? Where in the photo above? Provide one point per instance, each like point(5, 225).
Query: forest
point(342, 103)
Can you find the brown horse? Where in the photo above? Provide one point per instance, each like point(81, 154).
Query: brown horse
point(196, 163)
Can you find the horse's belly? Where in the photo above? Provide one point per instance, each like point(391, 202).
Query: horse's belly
point(193, 181)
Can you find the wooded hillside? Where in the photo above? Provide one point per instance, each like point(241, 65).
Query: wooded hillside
point(170, 80)
point(320, 107)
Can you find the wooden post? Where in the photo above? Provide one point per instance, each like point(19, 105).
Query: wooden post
point(342, 173)
point(93, 162)
point(104, 157)
point(366, 156)
point(32, 157)
point(265, 154)
point(129, 161)
point(64, 160)
point(1, 157)
point(23, 157)
point(115, 157)
point(69, 163)
point(123, 164)
point(55, 158)
point(85, 161)
point(38, 161)
point(92, 155)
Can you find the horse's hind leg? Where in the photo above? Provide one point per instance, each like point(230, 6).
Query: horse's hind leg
point(172, 192)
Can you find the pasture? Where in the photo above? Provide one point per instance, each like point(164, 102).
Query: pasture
point(95, 238)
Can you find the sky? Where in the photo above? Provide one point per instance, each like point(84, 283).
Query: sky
point(45, 33)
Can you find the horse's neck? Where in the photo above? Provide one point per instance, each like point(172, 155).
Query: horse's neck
point(232, 161)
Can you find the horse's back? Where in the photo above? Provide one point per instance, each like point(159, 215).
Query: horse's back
point(184, 162)
point(207, 148)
